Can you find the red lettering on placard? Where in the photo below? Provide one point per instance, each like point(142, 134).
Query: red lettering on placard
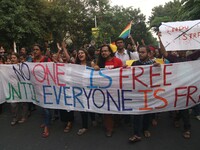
point(37, 75)
point(45, 72)
point(153, 75)
point(121, 76)
point(136, 77)
point(177, 95)
point(190, 92)
point(51, 74)
point(59, 74)
point(165, 73)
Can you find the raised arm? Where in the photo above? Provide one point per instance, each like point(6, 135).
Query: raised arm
point(65, 51)
point(143, 43)
point(58, 53)
point(162, 48)
point(132, 40)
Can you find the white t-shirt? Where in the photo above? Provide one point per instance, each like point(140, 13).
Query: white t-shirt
point(125, 56)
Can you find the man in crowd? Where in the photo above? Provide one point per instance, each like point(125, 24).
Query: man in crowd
point(122, 53)
point(184, 114)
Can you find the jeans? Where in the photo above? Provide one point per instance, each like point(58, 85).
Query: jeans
point(47, 117)
point(84, 116)
point(140, 123)
point(184, 114)
point(196, 110)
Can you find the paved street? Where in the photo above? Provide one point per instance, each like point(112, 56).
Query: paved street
point(27, 136)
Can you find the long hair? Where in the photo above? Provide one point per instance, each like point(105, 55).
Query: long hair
point(86, 56)
point(101, 61)
point(16, 55)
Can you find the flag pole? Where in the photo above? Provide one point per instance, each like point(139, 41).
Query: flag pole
point(14, 47)
point(95, 21)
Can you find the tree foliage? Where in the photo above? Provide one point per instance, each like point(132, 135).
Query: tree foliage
point(190, 10)
point(167, 13)
point(30, 21)
point(22, 19)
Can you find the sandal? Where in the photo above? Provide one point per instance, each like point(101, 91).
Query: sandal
point(22, 120)
point(147, 134)
point(81, 131)
point(187, 135)
point(13, 123)
point(45, 134)
point(134, 139)
point(68, 127)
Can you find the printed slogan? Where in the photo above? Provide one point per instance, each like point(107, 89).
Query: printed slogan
point(134, 90)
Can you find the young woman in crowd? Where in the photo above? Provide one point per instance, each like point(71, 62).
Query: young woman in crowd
point(62, 56)
point(84, 59)
point(20, 109)
point(38, 58)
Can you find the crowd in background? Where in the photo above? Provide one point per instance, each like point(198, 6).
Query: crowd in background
point(100, 57)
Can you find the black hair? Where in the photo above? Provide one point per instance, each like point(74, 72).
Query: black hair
point(86, 55)
point(91, 52)
point(23, 55)
point(146, 47)
point(40, 47)
point(16, 54)
point(101, 61)
point(119, 39)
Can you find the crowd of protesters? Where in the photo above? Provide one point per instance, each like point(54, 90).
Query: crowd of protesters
point(100, 57)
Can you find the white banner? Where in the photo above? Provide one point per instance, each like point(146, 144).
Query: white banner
point(135, 90)
point(183, 35)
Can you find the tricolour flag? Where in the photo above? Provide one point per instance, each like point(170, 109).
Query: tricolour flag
point(126, 32)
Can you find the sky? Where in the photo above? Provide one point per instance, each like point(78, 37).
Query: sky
point(144, 5)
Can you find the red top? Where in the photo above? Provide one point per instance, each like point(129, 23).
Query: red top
point(44, 59)
point(113, 63)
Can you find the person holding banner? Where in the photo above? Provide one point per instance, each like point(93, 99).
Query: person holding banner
point(108, 60)
point(84, 59)
point(19, 110)
point(142, 121)
point(184, 114)
point(38, 57)
point(124, 55)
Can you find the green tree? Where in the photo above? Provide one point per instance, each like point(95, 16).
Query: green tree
point(113, 21)
point(167, 13)
point(190, 10)
point(22, 21)
point(28, 21)
point(69, 16)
